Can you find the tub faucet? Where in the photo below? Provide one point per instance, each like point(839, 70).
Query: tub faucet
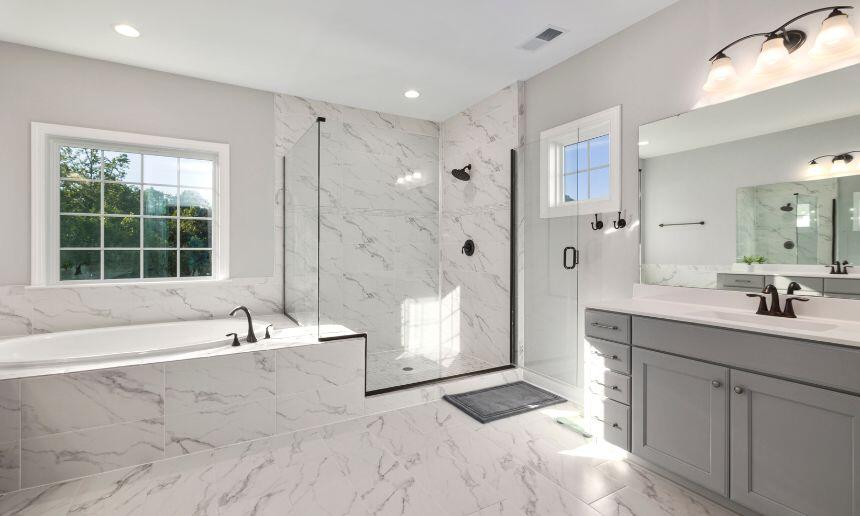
point(251, 337)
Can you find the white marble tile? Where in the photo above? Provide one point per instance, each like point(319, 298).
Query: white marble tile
point(531, 494)
point(329, 364)
point(219, 426)
point(209, 384)
point(66, 402)
point(661, 496)
point(10, 410)
point(490, 230)
point(320, 407)
point(85, 452)
point(417, 126)
point(356, 116)
point(10, 472)
point(52, 500)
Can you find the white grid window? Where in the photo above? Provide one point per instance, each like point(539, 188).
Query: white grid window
point(126, 212)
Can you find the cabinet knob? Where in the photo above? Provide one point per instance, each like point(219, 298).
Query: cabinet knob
point(717, 384)
point(739, 390)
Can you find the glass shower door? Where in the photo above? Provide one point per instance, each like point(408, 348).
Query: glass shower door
point(550, 289)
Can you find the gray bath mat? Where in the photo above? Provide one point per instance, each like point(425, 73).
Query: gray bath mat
point(503, 401)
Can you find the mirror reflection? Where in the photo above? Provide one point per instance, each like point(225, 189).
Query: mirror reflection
point(762, 189)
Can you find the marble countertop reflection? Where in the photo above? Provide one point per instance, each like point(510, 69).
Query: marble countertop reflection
point(285, 334)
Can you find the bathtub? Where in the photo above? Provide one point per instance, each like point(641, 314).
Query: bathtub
point(95, 346)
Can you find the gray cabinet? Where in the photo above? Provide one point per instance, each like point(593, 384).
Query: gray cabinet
point(795, 448)
point(680, 416)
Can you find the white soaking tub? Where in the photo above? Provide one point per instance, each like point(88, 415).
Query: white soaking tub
point(100, 345)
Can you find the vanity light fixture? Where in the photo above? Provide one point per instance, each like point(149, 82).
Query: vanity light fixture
point(838, 164)
point(835, 36)
point(411, 94)
point(126, 30)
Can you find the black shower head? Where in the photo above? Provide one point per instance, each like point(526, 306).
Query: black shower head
point(461, 174)
point(787, 207)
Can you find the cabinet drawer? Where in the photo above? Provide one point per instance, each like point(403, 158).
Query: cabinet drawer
point(842, 286)
point(731, 281)
point(607, 325)
point(613, 418)
point(610, 355)
point(611, 385)
point(808, 286)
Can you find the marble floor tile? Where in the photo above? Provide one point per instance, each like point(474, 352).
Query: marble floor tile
point(10, 457)
point(52, 500)
point(666, 495)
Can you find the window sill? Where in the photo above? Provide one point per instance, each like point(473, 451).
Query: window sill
point(136, 284)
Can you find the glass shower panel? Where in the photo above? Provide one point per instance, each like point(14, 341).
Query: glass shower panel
point(550, 287)
point(301, 229)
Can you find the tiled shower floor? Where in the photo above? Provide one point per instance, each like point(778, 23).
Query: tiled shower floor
point(424, 460)
point(396, 368)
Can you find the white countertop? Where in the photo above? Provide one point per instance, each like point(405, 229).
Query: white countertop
point(799, 274)
point(734, 311)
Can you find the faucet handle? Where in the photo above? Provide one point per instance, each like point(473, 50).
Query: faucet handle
point(789, 306)
point(268, 336)
point(235, 339)
point(762, 304)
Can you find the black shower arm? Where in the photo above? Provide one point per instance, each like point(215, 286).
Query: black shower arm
point(834, 155)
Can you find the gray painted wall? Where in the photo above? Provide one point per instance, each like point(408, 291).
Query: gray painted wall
point(44, 86)
point(654, 69)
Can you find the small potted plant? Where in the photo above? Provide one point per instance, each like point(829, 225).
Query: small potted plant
point(750, 261)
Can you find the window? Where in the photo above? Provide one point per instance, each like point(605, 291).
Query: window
point(119, 207)
point(580, 166)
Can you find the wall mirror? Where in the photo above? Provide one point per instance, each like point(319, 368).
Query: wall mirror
point(756, 190)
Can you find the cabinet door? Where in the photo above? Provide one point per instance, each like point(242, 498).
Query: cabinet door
point(795, 448)
point(680, 416)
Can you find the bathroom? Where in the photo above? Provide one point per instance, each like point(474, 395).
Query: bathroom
point(590, 258)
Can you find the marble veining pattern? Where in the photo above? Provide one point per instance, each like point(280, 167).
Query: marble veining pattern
point(428, 459)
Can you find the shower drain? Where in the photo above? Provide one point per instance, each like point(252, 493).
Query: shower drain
point(407, 368)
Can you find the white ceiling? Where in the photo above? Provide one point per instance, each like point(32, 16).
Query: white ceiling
point(362, 53)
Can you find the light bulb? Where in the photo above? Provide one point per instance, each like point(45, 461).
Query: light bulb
point(126, 30)
point(416, 175)
point(722, 74)
point(815, 168)
point(836, 34)
point(773, 56)
point(840, 165)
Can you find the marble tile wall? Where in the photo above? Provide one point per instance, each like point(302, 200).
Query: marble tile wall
point(476, 290)
point(379, 257)
point(57, 427)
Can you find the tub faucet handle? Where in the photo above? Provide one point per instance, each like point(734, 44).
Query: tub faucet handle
point(235, 339)
point(268, 335)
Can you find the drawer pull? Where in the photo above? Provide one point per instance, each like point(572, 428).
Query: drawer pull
point(739, 390)
point(717, 384)
point(613, 387)
point(742, 281)
point(614, 425)
point(604, 355)
point(605, 326)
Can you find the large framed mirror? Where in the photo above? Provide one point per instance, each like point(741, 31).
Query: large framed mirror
point(757, 190)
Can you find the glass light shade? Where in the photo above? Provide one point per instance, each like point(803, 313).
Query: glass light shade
point(815, 168)
point(836, 35)
point(773, 57)
point(839, 166)
point(722, 74)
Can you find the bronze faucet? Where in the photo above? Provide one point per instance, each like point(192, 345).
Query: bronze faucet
point(251, 337)
point(775, 310)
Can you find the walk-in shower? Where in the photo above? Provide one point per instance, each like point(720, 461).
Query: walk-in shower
point(374, 238)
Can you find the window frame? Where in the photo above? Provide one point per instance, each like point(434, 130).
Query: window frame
point(45, 140)
point(552, 144)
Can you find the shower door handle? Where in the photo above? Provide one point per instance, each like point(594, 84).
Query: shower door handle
point(575, 257)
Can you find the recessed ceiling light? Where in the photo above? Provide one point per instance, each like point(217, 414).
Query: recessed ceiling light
point(644, 143)
point(411, 94)
point(126, 30)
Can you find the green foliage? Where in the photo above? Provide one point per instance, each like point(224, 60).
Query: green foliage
point(749, 260)
point(122, 198)
point(195, 233)
point(80, 163)
point(122, 232)
point(79, 231)
point(80, 197)
point(122, 264)
point(159, 201)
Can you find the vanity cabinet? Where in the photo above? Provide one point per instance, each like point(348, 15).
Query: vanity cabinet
point(795, 448)
point(680, 416)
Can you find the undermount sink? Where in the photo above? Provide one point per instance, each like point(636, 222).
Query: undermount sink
point(782, 322)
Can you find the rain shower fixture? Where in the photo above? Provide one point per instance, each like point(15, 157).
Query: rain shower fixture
point(461, 174)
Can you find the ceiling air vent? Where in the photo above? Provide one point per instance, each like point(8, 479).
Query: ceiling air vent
point(547, 35)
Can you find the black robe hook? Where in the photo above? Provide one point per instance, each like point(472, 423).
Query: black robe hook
point(620, 223)
point(597, 225)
